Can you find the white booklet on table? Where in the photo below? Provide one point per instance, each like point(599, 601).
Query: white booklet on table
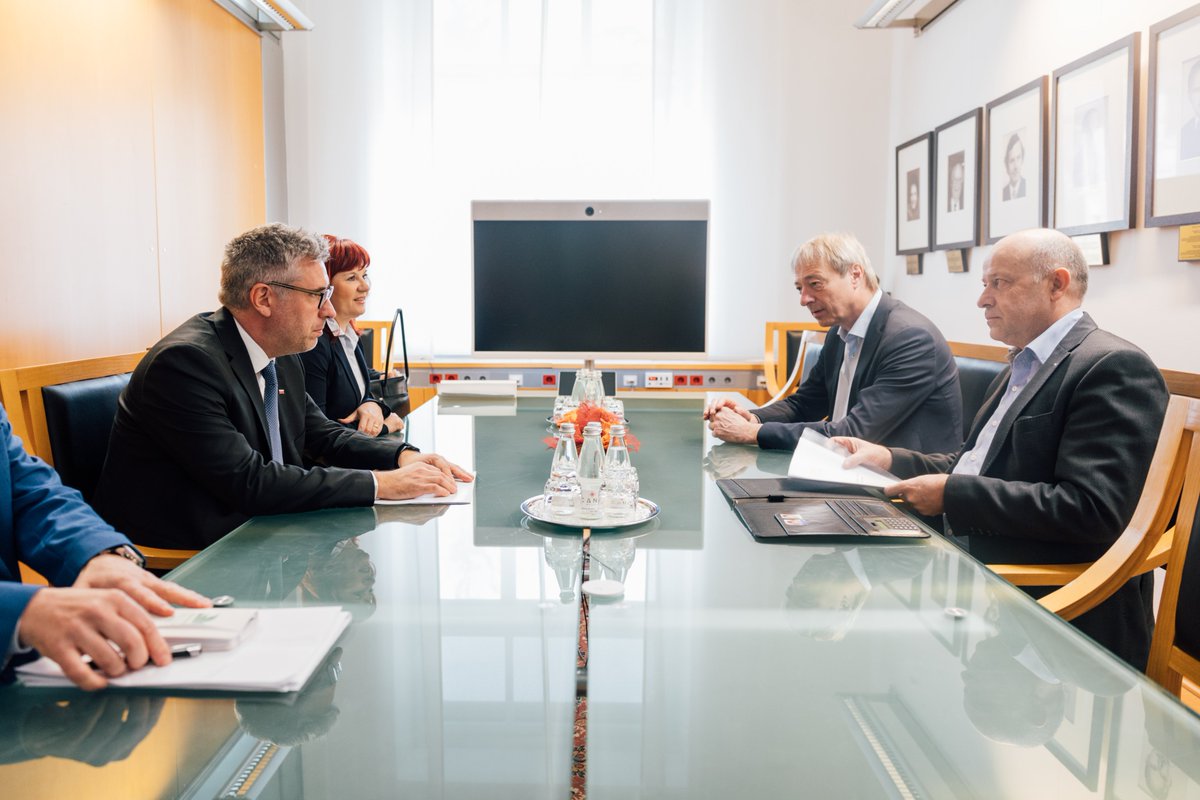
point(817, 458)
point(279, 654)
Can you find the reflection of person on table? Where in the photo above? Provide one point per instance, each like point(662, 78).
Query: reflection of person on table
point(107, 597)
point(308, 717)
point(94, 729)
point(838, 583)
point(336, 373)
point(1014, 163)
point(1189, 135)
point(885, 372)
point(1055, 461)
point(1017, 681)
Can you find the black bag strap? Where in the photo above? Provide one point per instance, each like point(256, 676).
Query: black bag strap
point(398, 317)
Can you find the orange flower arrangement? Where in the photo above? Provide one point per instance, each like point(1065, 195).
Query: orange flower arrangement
point(585, 413)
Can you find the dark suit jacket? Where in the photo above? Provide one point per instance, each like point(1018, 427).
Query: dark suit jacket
point(905, 391)
point(1065, 469)
point(189, 458)
point(329, 380)
point(43, 523)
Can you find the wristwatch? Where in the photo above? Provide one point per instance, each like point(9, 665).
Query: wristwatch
point(125, 551)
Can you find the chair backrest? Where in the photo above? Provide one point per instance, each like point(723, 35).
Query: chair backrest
point(781, 347)
point(23, 398)
point(1129, 555)
point(374, 335)
point(810, 353)
point(978, 366)
point(79, 420)
point(1175, 649)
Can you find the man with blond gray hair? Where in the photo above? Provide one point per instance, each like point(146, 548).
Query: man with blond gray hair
point(215, 426)
point(1055, 460)
point(885, 373)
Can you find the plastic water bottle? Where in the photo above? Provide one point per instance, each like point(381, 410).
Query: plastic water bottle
point(590, 471)
point(561, 495)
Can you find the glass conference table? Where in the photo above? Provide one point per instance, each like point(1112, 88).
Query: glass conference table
point(728, 668)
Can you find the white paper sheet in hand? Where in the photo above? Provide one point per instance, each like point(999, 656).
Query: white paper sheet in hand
point(279, 656)
point(817, 458)
point(464, 496)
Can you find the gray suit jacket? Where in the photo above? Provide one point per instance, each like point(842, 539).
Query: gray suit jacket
point(905, 391)
point(1065, 471)
point(189, 458)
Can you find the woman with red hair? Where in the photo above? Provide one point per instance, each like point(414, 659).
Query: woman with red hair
point(336, 373)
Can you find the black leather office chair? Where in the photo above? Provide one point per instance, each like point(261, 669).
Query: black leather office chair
point(79, 420)
point(974, 377)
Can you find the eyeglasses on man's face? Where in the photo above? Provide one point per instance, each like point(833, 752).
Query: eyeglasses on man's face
point(323, 294)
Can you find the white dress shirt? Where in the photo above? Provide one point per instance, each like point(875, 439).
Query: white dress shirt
point(853, 340)
point(1025, 366)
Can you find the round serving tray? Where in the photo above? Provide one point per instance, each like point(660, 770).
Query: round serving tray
point(535, 507)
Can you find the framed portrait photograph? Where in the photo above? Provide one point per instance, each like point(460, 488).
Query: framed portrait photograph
point(914, 180)
point(956, 171)
point(1095, 136)
point(1173, 122)
point(1014, 172)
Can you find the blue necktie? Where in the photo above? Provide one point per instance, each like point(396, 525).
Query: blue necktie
point(271, 410)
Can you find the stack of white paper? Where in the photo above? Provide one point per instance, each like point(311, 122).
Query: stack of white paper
point(464, 496)
point(279, 655)
point(817, 458)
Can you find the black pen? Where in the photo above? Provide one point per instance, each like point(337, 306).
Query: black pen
point(185, 650)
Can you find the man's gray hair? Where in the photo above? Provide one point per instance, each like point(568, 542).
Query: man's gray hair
point(266, 253)
point(1053, 250)
point(839, 251)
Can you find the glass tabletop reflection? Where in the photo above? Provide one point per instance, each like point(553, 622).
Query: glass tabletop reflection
point(476, 666)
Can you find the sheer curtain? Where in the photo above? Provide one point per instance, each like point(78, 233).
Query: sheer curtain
point(398, 113)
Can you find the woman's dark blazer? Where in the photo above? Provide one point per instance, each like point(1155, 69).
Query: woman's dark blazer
point(329, 381)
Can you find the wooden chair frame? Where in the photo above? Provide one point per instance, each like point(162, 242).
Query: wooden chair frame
point(379, 341)
point(775, 354)
point(21, 395)
point(1169, 665)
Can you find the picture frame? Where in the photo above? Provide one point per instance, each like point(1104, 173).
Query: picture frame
point(1095, 101)
point(1173, 122)
point(1014, 173)
point(914, 175)
point(956, 171)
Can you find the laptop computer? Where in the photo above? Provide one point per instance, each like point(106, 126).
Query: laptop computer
point(783, 510)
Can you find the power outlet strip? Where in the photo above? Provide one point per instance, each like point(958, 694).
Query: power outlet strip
point(659, 380)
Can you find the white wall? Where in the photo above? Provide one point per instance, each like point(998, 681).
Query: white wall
point(977, 52)
point(793, 116)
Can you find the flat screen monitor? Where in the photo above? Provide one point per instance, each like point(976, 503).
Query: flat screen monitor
point(604, 279)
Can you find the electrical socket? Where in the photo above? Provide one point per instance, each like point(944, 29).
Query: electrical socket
point(629, 381)
point(517, 378)
point(761, 381)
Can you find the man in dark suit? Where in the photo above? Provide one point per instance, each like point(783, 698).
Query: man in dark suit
point(48, 526)
point(215, 425)
point(885, 372)
point(1055, 461)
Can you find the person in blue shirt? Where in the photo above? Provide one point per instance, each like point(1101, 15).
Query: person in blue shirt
point(108, 597)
